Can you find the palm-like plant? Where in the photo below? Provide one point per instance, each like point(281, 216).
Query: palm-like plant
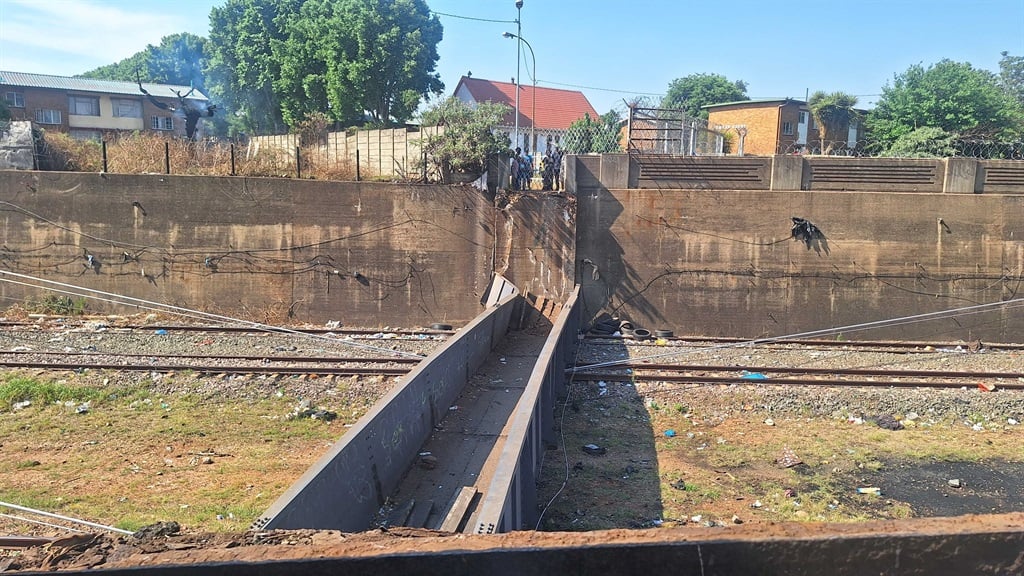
point(833, 112)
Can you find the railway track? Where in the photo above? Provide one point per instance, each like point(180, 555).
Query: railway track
point(210, 364)
point(181, 329)
point(890, 346)
point(776, 376)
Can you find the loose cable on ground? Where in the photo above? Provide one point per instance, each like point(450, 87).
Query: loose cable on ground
point(65, 518)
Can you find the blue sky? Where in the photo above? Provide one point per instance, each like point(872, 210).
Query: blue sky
point(609, 49)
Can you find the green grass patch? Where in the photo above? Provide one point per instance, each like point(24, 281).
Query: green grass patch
point(19, 389)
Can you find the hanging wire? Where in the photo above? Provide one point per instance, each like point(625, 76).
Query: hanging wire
point(903, 320)
point(70, 289)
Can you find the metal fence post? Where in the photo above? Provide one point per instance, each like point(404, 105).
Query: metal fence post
point(357, 163)
point(104, 155)
point(232, 158)
point(167, 157)
point(298, 164)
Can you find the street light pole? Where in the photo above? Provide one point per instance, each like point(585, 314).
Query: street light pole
point(519, 50)
point(533, 115)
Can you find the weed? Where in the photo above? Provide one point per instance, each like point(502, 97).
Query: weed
point(18, 389)
point(57, 305)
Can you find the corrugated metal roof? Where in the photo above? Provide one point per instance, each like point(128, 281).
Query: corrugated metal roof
point(556, 108)
point(26, 80)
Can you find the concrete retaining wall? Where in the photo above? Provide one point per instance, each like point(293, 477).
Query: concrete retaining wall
point(269, 250)
point(723, 262)
point(347, 486)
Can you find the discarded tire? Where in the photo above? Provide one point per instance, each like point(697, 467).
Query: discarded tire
point(664, 333)
point(641, 334)
point(625, 325)
point(440, 326)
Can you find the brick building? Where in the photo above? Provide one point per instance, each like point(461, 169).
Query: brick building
point(778, 126)
point(87, 108)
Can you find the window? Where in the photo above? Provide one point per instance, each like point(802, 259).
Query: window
point(44, 116)
point(83, 106)
point(161, 123)
point(787, 128)
point(803, 117)
point(15, 99)
point(125, 108)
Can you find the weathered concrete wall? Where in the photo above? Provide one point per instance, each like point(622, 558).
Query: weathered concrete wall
point(269, 250)
point(723, 263)
point(536, 244)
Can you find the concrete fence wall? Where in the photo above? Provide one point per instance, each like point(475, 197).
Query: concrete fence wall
point(396, 152)
point(348, 485)
point(825, 173)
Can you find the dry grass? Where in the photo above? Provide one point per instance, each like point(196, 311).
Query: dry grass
point(133, 458)
point(147, 153)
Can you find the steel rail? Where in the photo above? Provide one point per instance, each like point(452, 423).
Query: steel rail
point(902, 345)
point(338, 359)
point(806, 370)
point(205, 369)
point(782, 381)
point(248, 329)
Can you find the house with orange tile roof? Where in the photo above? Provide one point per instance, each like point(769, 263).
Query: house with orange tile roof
point(544, 113)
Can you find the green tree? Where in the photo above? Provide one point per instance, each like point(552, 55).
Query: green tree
point(1011, 75)
point(469, 135)
point(5, 112)
point(243, 65)
point(588, 136)
point(179, 59)
point(364, 59)
point(953, 96)
point(692, 92)
point(924, 142)
point(834, 112)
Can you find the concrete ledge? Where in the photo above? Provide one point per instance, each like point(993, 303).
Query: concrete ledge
point(346, 487)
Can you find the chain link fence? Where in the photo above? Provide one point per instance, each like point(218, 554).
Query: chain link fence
point(967, 148)
point(671, 131)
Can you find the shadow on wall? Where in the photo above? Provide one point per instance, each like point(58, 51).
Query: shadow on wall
point(607, 280)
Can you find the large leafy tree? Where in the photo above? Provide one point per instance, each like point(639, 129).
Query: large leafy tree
point(365, 60)
point(179, 59)
point(594, 135)
point(953, 96)
point(692, 92)
point(243, 65)
point(834, 111)
point(1011, 75)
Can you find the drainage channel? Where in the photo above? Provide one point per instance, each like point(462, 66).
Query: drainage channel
point(442, 487)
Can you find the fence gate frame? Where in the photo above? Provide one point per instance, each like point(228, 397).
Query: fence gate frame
point(670, 131)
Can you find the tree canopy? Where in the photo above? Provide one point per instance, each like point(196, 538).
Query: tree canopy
point(953, 96)
point(356, 60)
point(468, 137)
point(179, 59)
point(1011, 75)
point(692, 92)
point(834, 112)
point(589, 135)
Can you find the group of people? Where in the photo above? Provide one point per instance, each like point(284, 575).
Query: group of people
point(521, 167)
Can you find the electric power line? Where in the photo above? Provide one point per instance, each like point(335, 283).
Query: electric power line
point(435, 12)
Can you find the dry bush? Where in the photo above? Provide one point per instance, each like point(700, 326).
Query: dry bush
point(60, 152)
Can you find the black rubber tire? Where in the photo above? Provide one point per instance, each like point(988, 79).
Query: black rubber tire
point(641, 334)
point(664, 333)
point(440, 326)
